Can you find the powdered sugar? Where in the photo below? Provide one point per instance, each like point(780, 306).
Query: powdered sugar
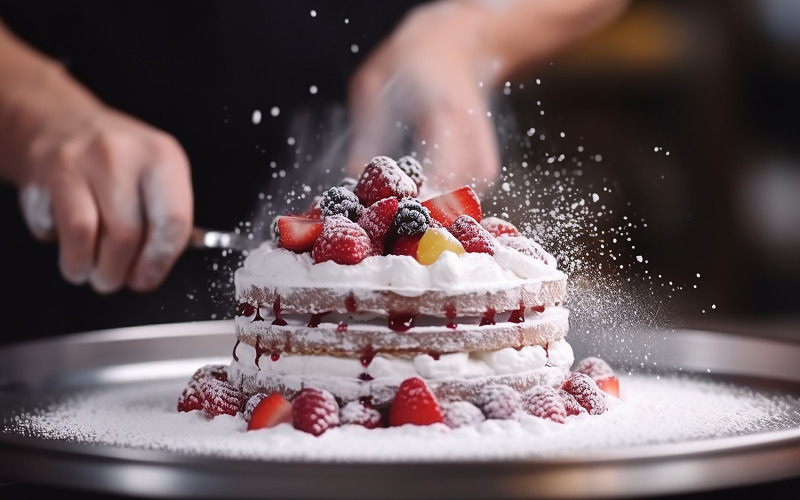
point(653, 411)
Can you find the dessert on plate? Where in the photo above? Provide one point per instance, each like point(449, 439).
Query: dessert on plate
point(388, 304)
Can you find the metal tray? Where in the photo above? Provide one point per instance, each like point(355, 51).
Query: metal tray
point(33, 371)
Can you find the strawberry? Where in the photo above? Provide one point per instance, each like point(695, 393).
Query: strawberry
point(497, 226)
point(526, 246)
point(377, 220)
point(473, 237)
point(358, 413)
point(601, 372)
point(271, 410)
point(446, 207)
point(414, 404)
point(298, 234)
point(382, 178)
point(406, 245)
point(314, 411)
point(342, 241)
point(586, 393)
point(544, 401)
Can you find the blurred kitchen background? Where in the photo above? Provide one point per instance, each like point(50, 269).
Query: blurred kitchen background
point(694, 107)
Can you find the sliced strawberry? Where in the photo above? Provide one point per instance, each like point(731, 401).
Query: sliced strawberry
point(414, 404)
point(342, 241)
point(406, 245)
point(314, 411)
point(381, 179)
point(272, 410)
point(473, 237)
point(298, 234)
point(497, 226)
point(446, 207)
point(609, 385)
point(377, 220)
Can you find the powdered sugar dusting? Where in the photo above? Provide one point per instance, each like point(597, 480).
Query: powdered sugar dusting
point(653, 411)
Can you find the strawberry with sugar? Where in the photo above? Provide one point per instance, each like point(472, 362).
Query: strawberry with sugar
point(446, 207)
point(414, 404)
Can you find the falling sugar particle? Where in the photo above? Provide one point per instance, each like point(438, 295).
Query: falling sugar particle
point(290, 141)
point(275, 111)
point(354, 48)
point(256, 117)
point(313, 89)
point(313, 13)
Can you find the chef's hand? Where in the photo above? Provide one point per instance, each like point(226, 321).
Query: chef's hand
point(115, 193)
point(434, 74)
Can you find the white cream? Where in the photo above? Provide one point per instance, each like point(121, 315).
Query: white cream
point(272, 266)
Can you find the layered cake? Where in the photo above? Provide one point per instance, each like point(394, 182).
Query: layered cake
point(388, 304)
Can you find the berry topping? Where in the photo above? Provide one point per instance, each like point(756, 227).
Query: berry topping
point(526, 246)
point(472, 235)
point(406, 245)
point(413, 169)
point(434, 242)
point(342, 241)
point(377, 219)
point(209, 390)
point(571, 404)
point(268, 411)
point(314, 411)
point(411, 217)
point(348, 183)
point(586, 393)
point(446, 207)
point(544, 401)
point(497, 226)
point(382, 178)
point(460, 413)
point(498, 401)
point(298, 234)
point(601, 372)
point(356, 413)
point(414, 404)
point(340, 201)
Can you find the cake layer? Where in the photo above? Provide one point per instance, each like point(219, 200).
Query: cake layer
point(457, 376)
point(360, 337)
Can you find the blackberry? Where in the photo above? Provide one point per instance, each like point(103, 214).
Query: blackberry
point(340, 201)
point(411, 217)
point(412, 168)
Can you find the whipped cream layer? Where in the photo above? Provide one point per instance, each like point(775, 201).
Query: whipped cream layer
point(460, 365)
point(269, 265)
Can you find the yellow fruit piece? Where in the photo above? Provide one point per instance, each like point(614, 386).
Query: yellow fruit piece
point(435, 241)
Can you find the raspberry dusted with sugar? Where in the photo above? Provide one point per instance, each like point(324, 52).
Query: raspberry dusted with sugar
point(340, 201)
point(414, 404)
point(499, 401)
point(461, 413)
point(342, 241)
point(411, 217)
point(527, 247)
point(356, 413)
point(601, 372)
point(382, 178)
point(314, 411)
point(586, 393)
point(571, 404)
point(209, 390)
point(497, 226)
point(473, 237)
point(377, 219)
point(544, 401)
point(413, 169)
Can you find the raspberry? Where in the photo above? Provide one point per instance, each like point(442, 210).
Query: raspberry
point(209, 390)
point(382, 178)
point(314, 411)
point(473, 237)
point(413, 169)
point(357, 413)
point(340, 201)
point(406, 245)
point(497, 226)
point(460, 413)
point(571, 404)
point(414, 404)
point(377, 220)
point(526, 246)
point(586, 393)
point(192, 396)
point(411, 217)
point(498, 401)
point(544, 401)
point(342, 241)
